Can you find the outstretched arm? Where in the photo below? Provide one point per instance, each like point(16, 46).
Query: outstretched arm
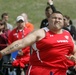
point(50, 2)
point(27, 41)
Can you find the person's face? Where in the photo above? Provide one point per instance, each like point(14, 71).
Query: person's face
point(56, 21)
point(66, 21)
point(48, 12)
point(20, 24)
point(5, 18)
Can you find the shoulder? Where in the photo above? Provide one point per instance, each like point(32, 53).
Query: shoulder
point(27, 30)
point(44, 20)
point(66, 31)
point(38, 31)
point(13, 31)
point(72, 26)
point(39, 34)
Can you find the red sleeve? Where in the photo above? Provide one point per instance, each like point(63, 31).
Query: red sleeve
point(10, 38)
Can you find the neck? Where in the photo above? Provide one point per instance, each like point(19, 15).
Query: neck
point(57, 31)
point(20, 28)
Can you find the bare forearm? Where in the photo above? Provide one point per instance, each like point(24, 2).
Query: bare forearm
point(11, 48)
point(27, 41)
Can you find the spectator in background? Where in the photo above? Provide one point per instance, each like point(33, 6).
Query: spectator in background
point(68, 25)
point(48, 12)
point(4, 32)
point(27, 23)
point(5, 17)
point(23, 56)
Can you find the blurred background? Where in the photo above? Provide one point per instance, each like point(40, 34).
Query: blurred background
point(35, 9)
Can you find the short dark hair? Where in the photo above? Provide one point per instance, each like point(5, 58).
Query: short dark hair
point(47, 8)
point(4, 14)
point(66, 16)
point(57, 12)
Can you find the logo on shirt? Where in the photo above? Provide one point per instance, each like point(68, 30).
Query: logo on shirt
point(51, 35)
point(63, 41)
point(67, 37)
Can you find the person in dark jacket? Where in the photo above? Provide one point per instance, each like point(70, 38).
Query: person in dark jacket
point(48, 11)
point(68, 25)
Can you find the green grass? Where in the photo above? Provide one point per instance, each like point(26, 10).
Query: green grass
point(35, 9)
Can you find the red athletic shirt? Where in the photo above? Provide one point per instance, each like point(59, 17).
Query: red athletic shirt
point(16, 35)
point(51, 50)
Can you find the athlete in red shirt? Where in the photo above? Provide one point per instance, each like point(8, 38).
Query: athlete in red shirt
point(52, 46)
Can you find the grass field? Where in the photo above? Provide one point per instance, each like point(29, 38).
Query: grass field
point(35, 9)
